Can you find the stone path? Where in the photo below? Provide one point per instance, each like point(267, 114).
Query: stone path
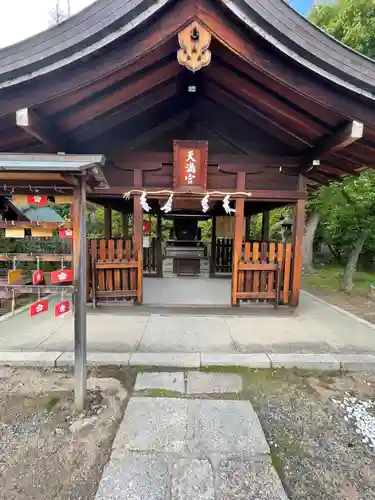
point(190, 449)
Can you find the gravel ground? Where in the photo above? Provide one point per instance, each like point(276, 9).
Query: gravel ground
point(47, 451)
point(317, 450)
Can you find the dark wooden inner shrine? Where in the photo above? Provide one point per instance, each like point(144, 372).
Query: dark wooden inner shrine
point(202, 109)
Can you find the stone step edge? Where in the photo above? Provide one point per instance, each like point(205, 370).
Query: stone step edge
point(262, 360)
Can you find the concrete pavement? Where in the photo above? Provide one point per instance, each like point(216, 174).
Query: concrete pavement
point(315, 328)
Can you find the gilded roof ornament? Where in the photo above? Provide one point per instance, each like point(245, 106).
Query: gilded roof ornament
point(194, 41)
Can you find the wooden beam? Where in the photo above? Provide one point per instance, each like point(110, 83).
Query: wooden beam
point(213, 247)
point(296, 121)
point(342, 137)
point(299, 229)
point(231, 163)
point(266, 225)
point(125, 112)
point(117, 97)
point(238, 236)
point(159, 129)
point(35, 126)
point(61, 103)
point(33, 224)
point(30, 176)
point(138, 235)
point(79, 269)
point(159, 241)
point(289, 94)
point(253, 115)
point(107, 223)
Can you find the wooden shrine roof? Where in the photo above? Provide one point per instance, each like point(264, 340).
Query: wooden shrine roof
point(108, 81)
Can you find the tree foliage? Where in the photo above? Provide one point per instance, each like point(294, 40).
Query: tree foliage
point(350, 21)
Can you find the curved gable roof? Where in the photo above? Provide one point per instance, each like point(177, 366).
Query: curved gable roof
point(107, 20)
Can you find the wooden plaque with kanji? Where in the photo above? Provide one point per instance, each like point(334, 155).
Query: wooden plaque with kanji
point(190, 165)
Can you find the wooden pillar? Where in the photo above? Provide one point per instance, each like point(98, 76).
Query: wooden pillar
point(266, 225)
point(125, 226)
point(138, 234)
point(299, 229)
point(159, 241)
point(213, 247)
point(238, 235)
point(247, 228)
point(79, 269)
point(107, 223)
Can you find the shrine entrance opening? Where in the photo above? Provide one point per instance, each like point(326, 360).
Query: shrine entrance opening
point(184, 275)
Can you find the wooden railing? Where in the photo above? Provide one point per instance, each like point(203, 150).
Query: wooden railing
point(223, 255)
point(114, 272)
point(152, 259)
point(263, 273)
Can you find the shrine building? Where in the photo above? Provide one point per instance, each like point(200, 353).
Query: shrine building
point(190, 118)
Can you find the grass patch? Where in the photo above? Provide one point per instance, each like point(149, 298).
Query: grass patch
point(159, 393)
point(224, 369)
point(329, 279)
point(277, 462)
point(51, 403)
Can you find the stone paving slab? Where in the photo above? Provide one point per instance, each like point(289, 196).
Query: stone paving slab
point(356, 362)
point(305, 361)
point(132, 476)
point(192, 479)
point(230, 427)
point(19, 358)
point(209, 383)
point(166, 359)
point(153, 425)
point(255, 480)
point(174, 381)
point(176, 449)
point(97, 359)
point(256, 360)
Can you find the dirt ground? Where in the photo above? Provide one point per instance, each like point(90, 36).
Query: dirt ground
point(47, 451)
point(318, 452)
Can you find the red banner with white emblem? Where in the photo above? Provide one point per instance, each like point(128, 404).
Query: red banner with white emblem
point(62, 276)
point(38, 277)
point(39, 307)
point(37, 199)
point(66, 234)
point(62, 308)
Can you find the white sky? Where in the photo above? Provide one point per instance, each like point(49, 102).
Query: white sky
point(20, 19)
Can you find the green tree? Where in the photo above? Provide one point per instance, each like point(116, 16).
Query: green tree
point(347, 212)
point(350, 21)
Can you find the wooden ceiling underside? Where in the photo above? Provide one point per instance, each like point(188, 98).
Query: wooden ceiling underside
point(249, 99)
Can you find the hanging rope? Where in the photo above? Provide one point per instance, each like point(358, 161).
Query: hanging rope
point(233, 194)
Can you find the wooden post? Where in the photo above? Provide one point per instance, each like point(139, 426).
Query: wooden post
point(159, 240)
point(213, 247)
point(79, 269)
point(138, 234)
point(266, 225)
point(107, 223)
point(247, 228)
point(238, 235)
point(299, 229)
point(125, 226)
